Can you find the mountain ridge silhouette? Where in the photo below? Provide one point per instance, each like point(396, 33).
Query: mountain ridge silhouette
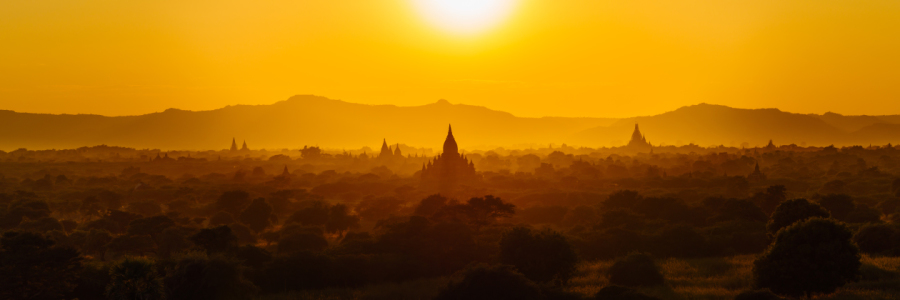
point(314, 120)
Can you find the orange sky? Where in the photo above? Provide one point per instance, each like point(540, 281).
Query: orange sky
point(560, 58)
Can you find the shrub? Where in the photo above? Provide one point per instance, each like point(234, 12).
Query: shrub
point(497, 282)
point(815, 256)
point(541, 255)
point(792, 211)
point(636, 269)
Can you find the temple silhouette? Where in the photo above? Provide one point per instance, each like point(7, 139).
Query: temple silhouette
point(448, 169)
point(638, 141)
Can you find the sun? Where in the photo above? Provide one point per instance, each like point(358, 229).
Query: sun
point(465, 17)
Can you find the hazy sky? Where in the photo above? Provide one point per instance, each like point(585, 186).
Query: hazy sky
point(531, 58)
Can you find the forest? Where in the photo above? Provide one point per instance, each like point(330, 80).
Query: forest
point(688, 222)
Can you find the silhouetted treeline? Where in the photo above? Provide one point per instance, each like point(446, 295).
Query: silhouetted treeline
point(242, 228)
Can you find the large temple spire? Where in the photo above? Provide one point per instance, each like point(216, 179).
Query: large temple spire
point(450, 146)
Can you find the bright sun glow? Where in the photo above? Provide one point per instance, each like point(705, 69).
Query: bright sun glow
point(465, 16)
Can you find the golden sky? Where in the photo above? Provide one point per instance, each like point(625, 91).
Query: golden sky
point(594, 58)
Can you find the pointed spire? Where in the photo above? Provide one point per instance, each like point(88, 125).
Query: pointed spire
point(450, 143)
point(233, 145)
point(285, 173)
point(385, 150)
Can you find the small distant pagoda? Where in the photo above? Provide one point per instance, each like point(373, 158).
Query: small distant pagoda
point(234, 147)
point(638, 141)
point(756, 176)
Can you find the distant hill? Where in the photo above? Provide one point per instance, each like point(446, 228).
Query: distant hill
point(707, 125)
point(313, 120)
point(293, 123)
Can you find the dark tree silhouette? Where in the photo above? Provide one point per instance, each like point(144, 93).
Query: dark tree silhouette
point(221, 218)
point(301, 241)
point(623, 199)
point(757, 295)
point(431, 205)
point(173, 240)
point(771, 198)
point(198, 277)
point(96, 241)
point(135, 278)
point(615, 292)
point(735, 209)
point(478, 211)
point(792, 211)
point(315, 213)
point(541, 256)
point(838, 205)
point(23, 208)
point(680, 241)
point(497, 282)
point(233, 202)
point(877, 238)
point(151, 226)
point(215, 240)
point(41, 225)
point(636, 269)
point(132, 244)
point(815, 256)
point(340, 220)
point(33, 267)
point(258, 216)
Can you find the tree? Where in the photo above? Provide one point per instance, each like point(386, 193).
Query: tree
point(24, 207)
point(135, 278)
point(221, 218)
point(680, 241)
point(838, 205)
point(301, 241)
point(792, 211)
point(258, 216)
point(771, 198)
point(541, 256)
point(233, 202)
point(199, 277)
point(132, 244)
point(877, 238)
point(497, 282)
point(41, 225)
point(151, 226)
point(90, 207)
point(431, 205)
point(757, 295)
point(315, 213)
point(735, 209)
point(478, 211)
point(96, 241)
point(615, 292)
point(215, 240)
point(340, 220)
point(33, 267)
point(623, 199)
point(636, 269)
point(815, 256)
